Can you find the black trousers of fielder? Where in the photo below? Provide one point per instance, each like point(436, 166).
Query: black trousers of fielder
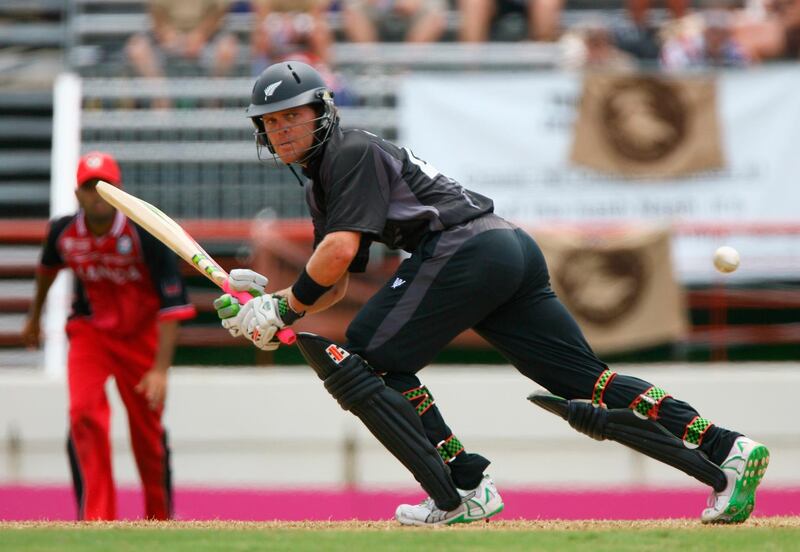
point(491, 276)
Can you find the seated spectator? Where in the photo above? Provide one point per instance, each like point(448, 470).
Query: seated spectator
point(296, 30)
point(183, 30)
point(639, 10)
point(405, 20)
point(769, 29)
point(286, 29)
point(591, 46)
point(640, 37)
point(482, 20)
point(702, 41)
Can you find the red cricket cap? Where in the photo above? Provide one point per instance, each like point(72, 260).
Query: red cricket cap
point(98, 165)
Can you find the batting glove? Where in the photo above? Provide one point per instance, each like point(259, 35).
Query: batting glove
point(260, 320)
point(244, 279)
point(228, 309)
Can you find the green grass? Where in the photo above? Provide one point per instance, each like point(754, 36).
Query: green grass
point(767, 534)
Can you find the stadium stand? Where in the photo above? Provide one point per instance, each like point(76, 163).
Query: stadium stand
point(197, 161)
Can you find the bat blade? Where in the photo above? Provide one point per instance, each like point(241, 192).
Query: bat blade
point(171, 234)
point(163, 228)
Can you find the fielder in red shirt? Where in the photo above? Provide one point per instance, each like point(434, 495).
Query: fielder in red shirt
point(128, 300)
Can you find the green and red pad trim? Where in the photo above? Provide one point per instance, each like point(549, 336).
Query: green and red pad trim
point(695, 430)
point(450, 448)
point(422, 395)
point(648, 403)
point(600, 386)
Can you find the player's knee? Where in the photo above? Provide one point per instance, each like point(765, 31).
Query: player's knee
point(353, 382)
point(83, 416)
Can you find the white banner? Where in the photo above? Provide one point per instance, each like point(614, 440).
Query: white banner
point(510, 137)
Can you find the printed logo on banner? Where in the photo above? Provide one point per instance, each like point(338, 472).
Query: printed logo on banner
point(601, 286)
point(644, 118)
point(336, 353)
point(648, 126)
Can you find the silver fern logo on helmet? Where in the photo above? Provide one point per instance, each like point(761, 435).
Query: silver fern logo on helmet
point(270, 90)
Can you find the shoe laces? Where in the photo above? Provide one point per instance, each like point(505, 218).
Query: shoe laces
point(428, 503)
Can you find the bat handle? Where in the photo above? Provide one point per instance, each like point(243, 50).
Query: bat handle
point(285, 336)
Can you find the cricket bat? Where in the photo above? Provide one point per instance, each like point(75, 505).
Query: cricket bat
point(170, 233)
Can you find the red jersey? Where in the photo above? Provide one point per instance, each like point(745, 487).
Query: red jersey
point(125, 280)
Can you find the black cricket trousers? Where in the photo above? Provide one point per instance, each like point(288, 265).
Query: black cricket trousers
point(491, 276)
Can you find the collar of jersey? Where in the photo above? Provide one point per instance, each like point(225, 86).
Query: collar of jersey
point(312, 169)
point(116, 228)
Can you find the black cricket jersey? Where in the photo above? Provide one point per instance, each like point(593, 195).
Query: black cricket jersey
point(363, 183)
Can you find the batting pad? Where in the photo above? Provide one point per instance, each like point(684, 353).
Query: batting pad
point(642, 435)
point(387, 414)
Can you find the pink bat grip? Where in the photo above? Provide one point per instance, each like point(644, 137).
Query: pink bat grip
point(285, 336)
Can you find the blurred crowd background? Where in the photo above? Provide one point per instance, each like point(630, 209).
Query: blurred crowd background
point(164, 84)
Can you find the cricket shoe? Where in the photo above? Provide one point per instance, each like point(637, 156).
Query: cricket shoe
point(482, 502)
point(744, 467)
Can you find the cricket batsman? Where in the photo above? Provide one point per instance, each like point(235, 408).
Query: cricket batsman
point(468, 268)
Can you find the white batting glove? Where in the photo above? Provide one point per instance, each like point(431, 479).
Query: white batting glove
point(260, 320)
point(244, 279)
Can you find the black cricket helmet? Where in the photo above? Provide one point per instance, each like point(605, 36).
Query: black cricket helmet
point(291, 84)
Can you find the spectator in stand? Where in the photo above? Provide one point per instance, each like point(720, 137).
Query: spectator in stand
point(641, 37)
point(479, 17)
point(701, 41)
point(286, 29)
point(639, 10)
point(591, 46)
point(407, 20)
point(183, 30)
point(297, 30)
point(769, 29)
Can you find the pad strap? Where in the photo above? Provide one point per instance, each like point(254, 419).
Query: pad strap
point(695, 430)
point(450, 448)
point(600, 386)
point(647, 404)
point(422, 395)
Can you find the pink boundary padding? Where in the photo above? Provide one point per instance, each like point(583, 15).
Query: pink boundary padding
point(56, 503)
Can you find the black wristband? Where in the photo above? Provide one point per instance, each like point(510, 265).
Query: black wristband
point(288, 315)
point(307, 290)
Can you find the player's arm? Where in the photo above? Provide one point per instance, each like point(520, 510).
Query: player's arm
point(165, 275)
point(327, 268)
point(31, 332)
point(153, 384)
point(49, 265)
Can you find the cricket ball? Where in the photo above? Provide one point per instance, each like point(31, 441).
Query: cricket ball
point(726, 259)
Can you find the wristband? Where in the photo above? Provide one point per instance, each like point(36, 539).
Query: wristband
point(288, 315)
point(307, 290)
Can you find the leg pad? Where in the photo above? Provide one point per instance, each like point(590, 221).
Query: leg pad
point(388, 415)
point(642, 435)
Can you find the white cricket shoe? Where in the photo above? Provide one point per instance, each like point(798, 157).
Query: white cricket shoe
point(482, 502)
point(744, 467)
